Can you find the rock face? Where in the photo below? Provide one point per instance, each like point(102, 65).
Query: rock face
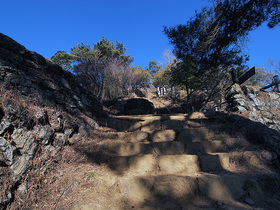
point(258, 106)
point(41, 109)
point(262, 111)
point(33, 75)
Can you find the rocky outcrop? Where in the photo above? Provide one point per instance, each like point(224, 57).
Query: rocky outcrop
point(33, 75)
point(261, 109)
point(257, 105)
point(42, 109)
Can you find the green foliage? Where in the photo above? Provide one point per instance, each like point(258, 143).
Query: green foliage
point(211, 38)
point(63, 59)
point(104, 69)
point(143, 75)
point(110, 51)
point(162, 78)
point(211, 42)
point(80, 52)
point(153, 68)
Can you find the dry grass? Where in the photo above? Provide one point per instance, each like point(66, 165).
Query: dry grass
point(60, 181)
point(67, 180)
point(71, 178)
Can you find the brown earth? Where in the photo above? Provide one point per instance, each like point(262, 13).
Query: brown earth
point(161, 161)
point(157, 162)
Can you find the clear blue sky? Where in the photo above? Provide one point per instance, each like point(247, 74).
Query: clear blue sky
point(47, 26)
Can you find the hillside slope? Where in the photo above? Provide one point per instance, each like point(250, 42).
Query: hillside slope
point(60, 150)
point(42, 109)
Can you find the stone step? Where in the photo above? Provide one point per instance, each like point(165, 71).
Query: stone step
point(157, 160)
point(245, 162)
point(204, 147)
point(156, 148)
point(153, 122)
point(156, 164)
point(171, 164)
point(188, 135)
point(226, 190)
point(164, 148)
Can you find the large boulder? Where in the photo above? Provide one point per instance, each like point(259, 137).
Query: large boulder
point(134, 106)
point(138, 106)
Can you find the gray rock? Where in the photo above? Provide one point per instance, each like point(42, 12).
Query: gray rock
point(60, 139)
point(255, 101)
point(6, 199)
point(75, 138)
point(32, 75)
point(237, 100)
point(55, 120)
point(268, 156)
point(41, 116)
point(51, 85)
point(253, 116)
point(83, 130)
point(248, 98)
point(69, 132)
point(5, 124)
point(44, 133)
point(249, 201)
point(234, 90)
point(65, 83)
point(50, 150)
point(6, 151)
point(24, 141)
point(274, 96)
point(22, 191)
point(20, 166)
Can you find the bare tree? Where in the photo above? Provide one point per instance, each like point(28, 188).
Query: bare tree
point(275, 65)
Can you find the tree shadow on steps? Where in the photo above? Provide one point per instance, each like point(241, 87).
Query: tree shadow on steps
point(214, 187)
point(203, 192)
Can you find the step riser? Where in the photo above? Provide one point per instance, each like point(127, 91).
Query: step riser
point(151, 164)
point(140, 189)
point(156, 148)
point(165, 148)
point(171, 164)
point(185, 164)
point(179, 160)
point(224, 188)
point(149, 125)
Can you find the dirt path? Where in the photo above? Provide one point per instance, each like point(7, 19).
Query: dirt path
point(164, 162)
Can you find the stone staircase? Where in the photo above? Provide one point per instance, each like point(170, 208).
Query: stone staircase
point(189, 162)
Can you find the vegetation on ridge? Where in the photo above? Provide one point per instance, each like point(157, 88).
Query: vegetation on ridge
point(205, 49)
